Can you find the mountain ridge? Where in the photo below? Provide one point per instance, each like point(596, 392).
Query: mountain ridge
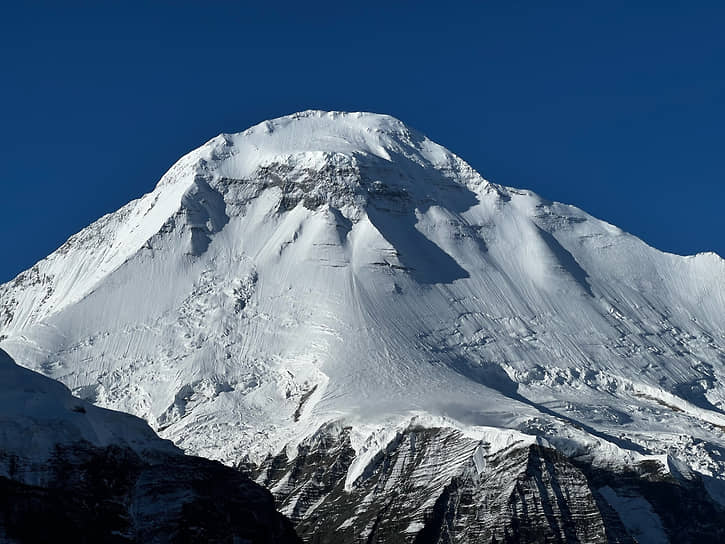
point(73, 472)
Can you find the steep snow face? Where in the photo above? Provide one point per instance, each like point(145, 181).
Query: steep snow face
point(333, 267)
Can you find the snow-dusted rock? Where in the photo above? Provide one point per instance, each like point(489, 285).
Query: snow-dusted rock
point(73, 472)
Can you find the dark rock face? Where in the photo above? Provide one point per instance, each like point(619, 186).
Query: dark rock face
point(90, 494)
point(438, 486)
point(684, 507)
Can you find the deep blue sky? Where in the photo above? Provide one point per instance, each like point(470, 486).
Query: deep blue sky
point(617, 109)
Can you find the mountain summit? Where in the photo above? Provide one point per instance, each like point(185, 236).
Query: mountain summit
point(335, 289)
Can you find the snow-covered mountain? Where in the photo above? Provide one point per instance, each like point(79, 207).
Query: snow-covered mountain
point(338, 283)
point(73, 472)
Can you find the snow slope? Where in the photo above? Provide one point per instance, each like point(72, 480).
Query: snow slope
point(38, 415)
point(74, 472)
point(341, 267)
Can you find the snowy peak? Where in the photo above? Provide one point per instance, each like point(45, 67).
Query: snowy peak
point(362, 134)
point(329, 266)
point(340, 159)
point(341, 271)
point(359, 165)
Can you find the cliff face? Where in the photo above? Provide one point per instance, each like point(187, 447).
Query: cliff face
point(438, 486)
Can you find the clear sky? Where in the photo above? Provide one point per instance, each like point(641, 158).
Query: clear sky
point(617, 108)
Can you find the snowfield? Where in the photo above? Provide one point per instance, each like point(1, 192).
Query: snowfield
point(343, 268)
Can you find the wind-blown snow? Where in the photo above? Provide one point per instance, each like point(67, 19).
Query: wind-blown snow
point(342, 267)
